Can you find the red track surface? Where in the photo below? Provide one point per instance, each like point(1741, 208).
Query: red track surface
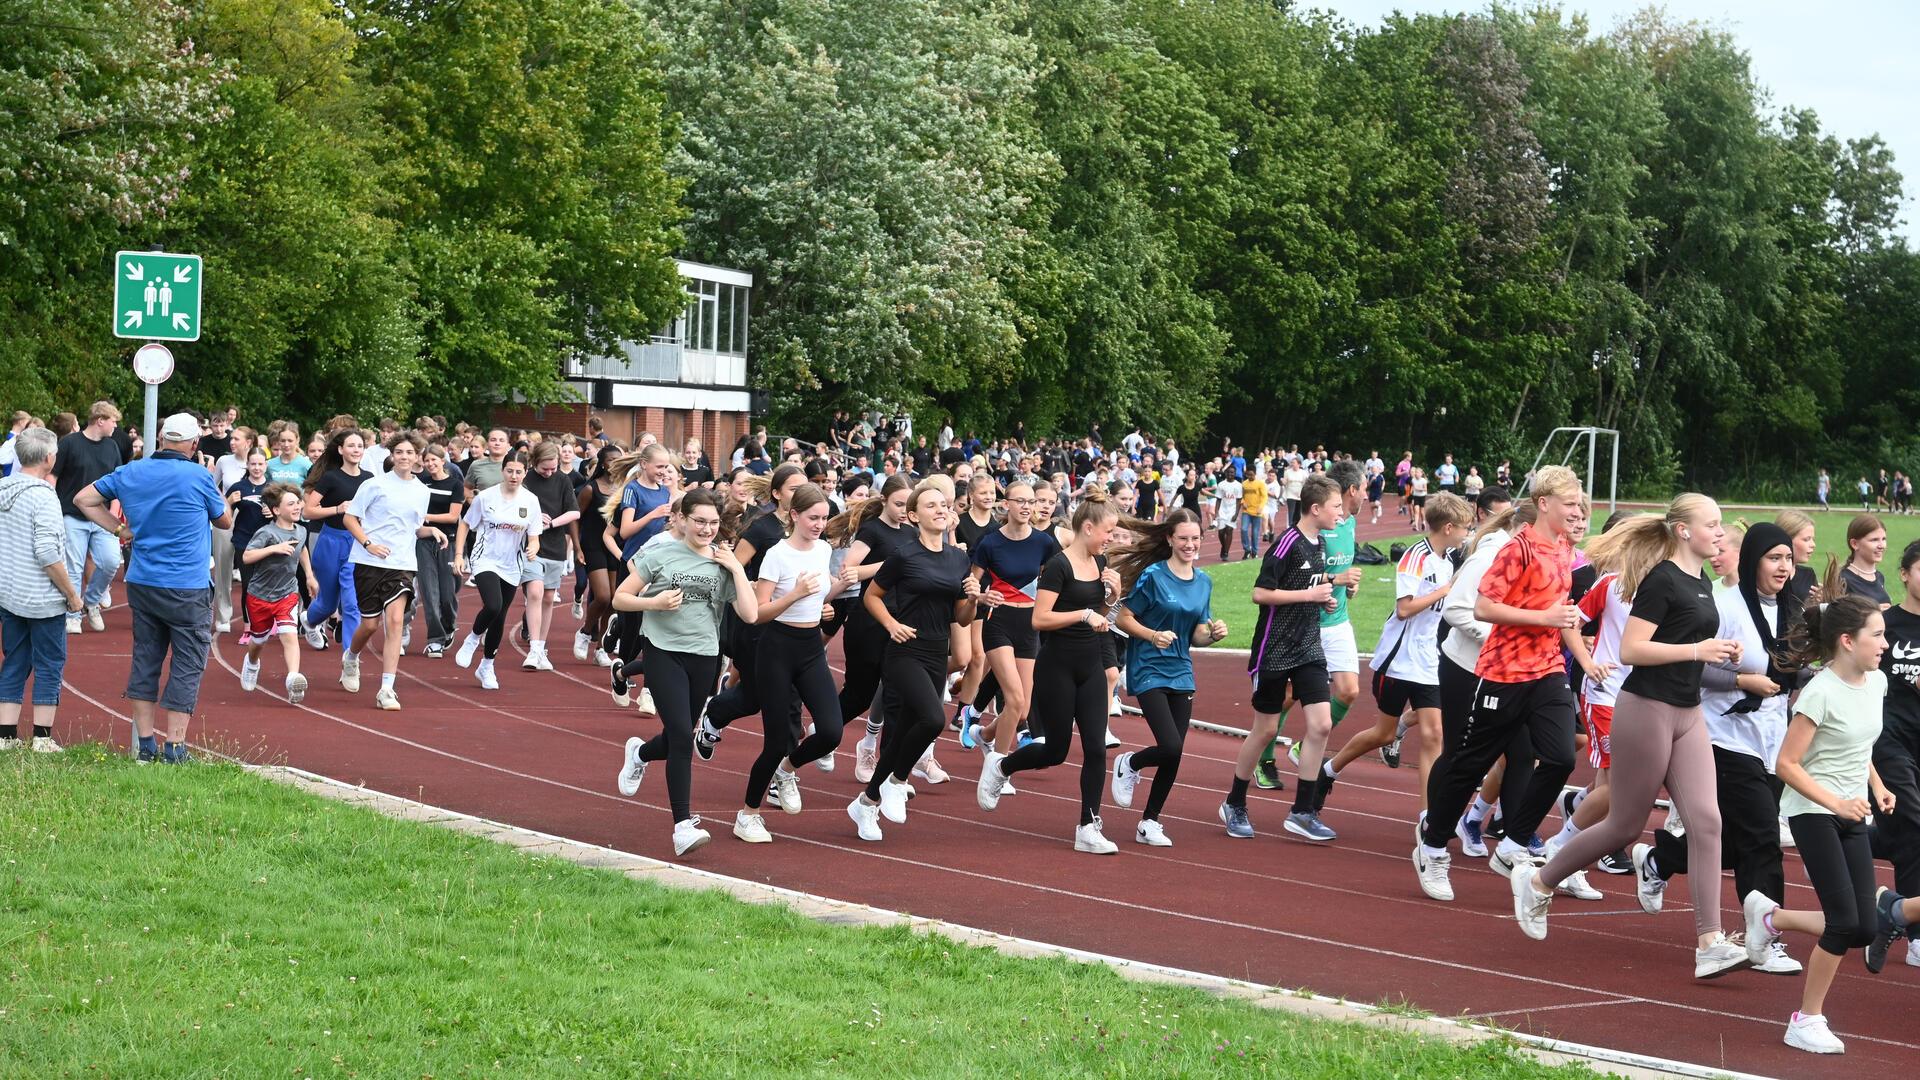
point(1345, 920)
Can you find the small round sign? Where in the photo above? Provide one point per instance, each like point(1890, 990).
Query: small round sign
point(153, 364)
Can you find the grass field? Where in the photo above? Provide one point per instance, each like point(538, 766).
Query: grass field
point(1233, 582)
point(204, 922)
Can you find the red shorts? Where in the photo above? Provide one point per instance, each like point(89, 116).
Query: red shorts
point(266, 618)
point(1599, 734)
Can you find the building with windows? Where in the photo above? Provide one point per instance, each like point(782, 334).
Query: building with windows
point(688, 381)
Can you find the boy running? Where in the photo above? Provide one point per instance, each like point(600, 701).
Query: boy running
point(277, 550)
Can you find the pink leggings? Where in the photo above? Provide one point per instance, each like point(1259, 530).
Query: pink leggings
point(1656, 743)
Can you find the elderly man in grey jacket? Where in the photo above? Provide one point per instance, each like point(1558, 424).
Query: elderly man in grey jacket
point(36, 595)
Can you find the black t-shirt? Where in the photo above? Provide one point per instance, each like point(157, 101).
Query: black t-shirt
point(700, 473)
point(1901, 662)
point(922, 586)
point(1287, 636)
point(123, 438)
point(443, 493)
point(1074, 594)
point(555, 495)
point(952, 455)
point(969, 532)
point(1682, 612)
point(1874, 588)
point(882, 539)
point(922, 459)
point(336, 488)
point(216, 446)
point(79, 461)
point(765, 531)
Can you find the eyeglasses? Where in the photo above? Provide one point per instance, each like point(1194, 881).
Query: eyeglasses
point(1021, 502)
point(704, 523)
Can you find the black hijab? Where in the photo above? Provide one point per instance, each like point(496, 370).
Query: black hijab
point(1760, 539)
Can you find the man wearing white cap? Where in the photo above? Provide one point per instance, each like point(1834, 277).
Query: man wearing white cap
point(168, 499)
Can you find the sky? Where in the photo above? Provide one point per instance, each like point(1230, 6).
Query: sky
point(1850, 61)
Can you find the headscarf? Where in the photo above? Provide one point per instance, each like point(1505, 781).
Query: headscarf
point(1760, 539)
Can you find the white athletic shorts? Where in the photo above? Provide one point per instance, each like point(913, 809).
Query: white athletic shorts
point(1337, 642)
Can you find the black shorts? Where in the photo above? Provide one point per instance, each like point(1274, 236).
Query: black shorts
point(1419, 500)
point(1395, 695)
point(376, 587)
point(1375, 488)
point(1109, 650)
point(1309, 682)
point(1010, 628)
point(594, 554)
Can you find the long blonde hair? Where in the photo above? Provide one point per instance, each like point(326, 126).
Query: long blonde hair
point(1634, 547)
point(621, 469)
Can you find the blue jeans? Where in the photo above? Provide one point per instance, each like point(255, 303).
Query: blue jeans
point(85, 538)
point(1250, 526)
point(33, 646)
point(335, 571)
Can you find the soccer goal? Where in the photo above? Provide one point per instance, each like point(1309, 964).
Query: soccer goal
point(1573, 439)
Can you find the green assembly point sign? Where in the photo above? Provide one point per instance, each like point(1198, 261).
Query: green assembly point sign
point(156, 296)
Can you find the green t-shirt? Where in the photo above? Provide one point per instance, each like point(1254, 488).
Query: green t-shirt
point(1337, 542)
point(1848, 720)
point(706, 587)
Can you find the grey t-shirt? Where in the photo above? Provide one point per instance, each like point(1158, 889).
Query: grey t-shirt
point(272, 578)
point(705, 588)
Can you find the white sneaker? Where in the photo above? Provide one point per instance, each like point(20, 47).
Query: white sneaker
point(632, 769)
point(866, 757)
point(541, 661)
point(386, 700)
point(1434, 871)
point(866, 818)
point(824, 763)
point(464, 657)
point(1777, 962)
point(643, 701)
point(44, 744)
point(1651, 890)
point(106, 600)
point(350, 673)
point(1810, 1033)
point(1151, 834)
point(223, 627)
point(1721, 956)
point(249, 675)
point(582, 645)
point(1113, 740)
point(893, 800)
point(1090, 839)
point(9, 744)
point(751, 827)
point(786, 789)
point(1124, 781)
point(531, 661)
point(601, 658)
point(1674, 825)
point(579, 612)
point(488, 681)
point(992, 780)
point(1786, 835)
point(95, 621)
point(1530, 905)
point(316, 638)
point(1577, 886)
point(296, 688)
point(1755, 907)
point(928, 768)
point(73, 624)
point(689, 836)
point(1113, 709)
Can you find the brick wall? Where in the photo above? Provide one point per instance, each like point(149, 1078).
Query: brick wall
point(567, 419)
point(717, 431)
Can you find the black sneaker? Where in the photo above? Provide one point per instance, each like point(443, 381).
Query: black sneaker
point(620, 697)
point(435, 650)
point(1494, 828)
point(703, 743)
point(1390, 754)
point(1320, 795)
point(147, 757)
point(1266, 777)
point(1567, 805)
point(1617, 863)
point(1884, 904)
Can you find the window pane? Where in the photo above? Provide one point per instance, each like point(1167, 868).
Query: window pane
point(740, 321)
point(725, 310)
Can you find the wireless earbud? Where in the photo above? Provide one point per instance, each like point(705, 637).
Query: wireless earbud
point(1685, 535)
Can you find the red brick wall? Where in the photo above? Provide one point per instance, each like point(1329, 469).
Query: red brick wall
point(717, 431)
point(568, 419)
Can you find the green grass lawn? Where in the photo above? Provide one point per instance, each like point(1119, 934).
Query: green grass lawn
point(1233, 582)
point(205, 922)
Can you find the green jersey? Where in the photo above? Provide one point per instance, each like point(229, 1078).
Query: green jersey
point(1337, 543)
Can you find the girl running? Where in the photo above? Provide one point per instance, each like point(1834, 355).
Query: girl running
point(761, 535)
point(1658, 731)
point(646, 479)
point(273, 556)
point(932, 590)
point(682, 585)
point(331, 485)
point(439, 591)
point(870, 530)
point(974, 524)
point(1827, 765)
point(789, 596)
point(1069, 677)
point(1168, 609)
point(1896, 757)
point(1800, 528)
point(1009, 561)
point(387, 517)
point(600, 553)
point(505, 519)
point(1860, 576)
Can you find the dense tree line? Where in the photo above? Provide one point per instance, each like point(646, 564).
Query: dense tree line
point(1230, 217)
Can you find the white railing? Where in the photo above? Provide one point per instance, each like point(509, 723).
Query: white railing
point(663, 360)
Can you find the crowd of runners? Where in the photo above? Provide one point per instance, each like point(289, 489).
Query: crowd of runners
point(1011, 592)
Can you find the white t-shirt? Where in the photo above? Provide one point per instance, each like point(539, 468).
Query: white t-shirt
point(375, 459)
point(1376, 467)
point(391, 511)
point(1446, 474)
point(1295, 476)
point(1411, 647)
point(502, 524)
point(1848, 718)
point(1227, 509)
point(228, 470)
point(1605, 600)
point(783, 566)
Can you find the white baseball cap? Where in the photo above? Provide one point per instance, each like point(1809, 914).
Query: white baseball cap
point(180, 427)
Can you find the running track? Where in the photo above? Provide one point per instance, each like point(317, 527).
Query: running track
point(1346, 920)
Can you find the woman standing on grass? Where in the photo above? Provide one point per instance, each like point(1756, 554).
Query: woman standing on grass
point(683, 586)
point(1168, 608)
point(932, 590)
point(1827, 764)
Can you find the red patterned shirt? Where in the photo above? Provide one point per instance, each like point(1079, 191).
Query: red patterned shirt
point(1535, 572)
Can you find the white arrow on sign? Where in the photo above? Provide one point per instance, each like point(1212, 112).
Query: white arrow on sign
point(136, 271)
point(134, 320)
point(180, 321)
point(181, 273)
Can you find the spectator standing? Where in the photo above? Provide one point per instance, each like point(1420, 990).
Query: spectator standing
point(169, 499)
point(83, 457)
point(35, 591)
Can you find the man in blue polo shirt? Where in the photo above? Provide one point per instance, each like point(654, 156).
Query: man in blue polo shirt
point(168, 499)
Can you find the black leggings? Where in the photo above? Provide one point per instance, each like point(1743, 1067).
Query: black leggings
point(495, 597)
point(915, 673)
point(792, 669)
point(864, 646)
point(681, 683)
point(1839, 859)
point(1897, 758)
point(1069, 689)
point(1168, 712)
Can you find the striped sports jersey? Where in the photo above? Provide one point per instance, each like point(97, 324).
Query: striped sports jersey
point(1287, 636)
point(1410, 648)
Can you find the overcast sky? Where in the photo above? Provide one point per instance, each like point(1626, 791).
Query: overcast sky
point(1850, 61)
